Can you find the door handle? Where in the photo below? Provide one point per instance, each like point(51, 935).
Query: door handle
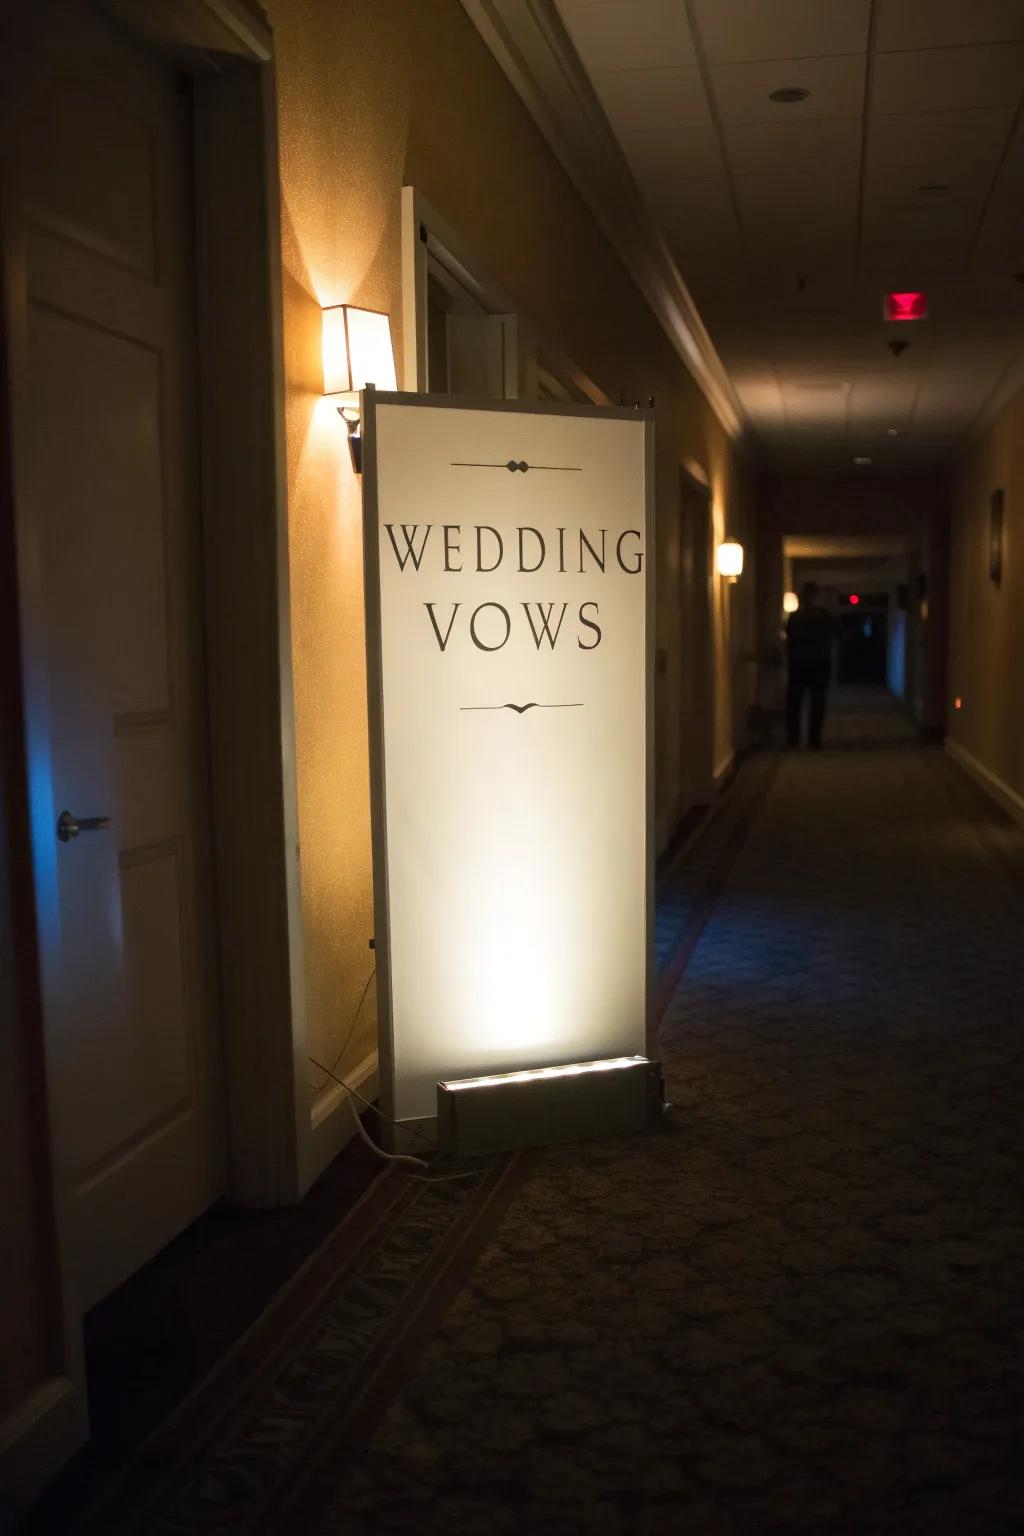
point(69, 826)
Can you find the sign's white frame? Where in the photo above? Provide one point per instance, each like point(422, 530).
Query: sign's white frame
point(371, 399)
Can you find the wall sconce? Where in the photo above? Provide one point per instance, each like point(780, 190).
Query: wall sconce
point(790, 602)
point(729, 559)
point(357, 351)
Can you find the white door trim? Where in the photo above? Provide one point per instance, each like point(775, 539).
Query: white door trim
point(427, 236)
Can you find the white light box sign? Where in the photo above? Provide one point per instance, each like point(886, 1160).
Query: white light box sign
point(508, 582)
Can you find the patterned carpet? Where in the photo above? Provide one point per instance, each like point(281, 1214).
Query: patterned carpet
point(802, 1308)
point(799, 1308)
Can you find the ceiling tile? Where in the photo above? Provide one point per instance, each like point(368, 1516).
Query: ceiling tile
point(781, 199)
point(953, 395)
point(760, 397)
point(907, 152)
point(695, 251)
point(698, 220)
point(641, 35)
point(906, 263)
point(687, 152)
point(999, 248)
point(810, 286)
point(733, 30)
point(836, 88)
point(946, 23)
point(807, 147)
point(666, 99)
point(948, 79)
point(808, 402)
point(944, 224)
point(883, 397)
point(696, 199)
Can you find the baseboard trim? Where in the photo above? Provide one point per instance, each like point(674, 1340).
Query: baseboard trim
point(332, 1123)
point(36, 1441)
point(1010, 801)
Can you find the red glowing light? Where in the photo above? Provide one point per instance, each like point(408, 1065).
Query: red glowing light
point(854, 599)
point(905, 306)
point(958, 703)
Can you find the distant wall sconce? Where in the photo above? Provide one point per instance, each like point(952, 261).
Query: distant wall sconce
point(729, 559)
point(357, 351)
point(996, 511)
point(790, 602)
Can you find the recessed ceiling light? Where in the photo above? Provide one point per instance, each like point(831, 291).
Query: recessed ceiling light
point(861, 459)
point(894, 431)
point(788, 94)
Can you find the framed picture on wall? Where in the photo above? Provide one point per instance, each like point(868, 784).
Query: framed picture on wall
point(995, 536)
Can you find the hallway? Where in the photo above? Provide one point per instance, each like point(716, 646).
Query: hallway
point(798, 1309)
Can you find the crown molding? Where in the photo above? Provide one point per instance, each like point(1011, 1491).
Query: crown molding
point(530, 43)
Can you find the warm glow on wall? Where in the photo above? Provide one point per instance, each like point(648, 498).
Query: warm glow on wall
point(729, 558)
point(790, 602)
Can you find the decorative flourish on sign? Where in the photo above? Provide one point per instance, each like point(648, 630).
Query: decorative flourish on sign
point(513, 464)
point(520, 709)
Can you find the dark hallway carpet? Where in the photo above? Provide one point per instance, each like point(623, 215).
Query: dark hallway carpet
point(800, 1308)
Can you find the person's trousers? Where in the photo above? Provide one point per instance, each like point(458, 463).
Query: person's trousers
point(816, 687)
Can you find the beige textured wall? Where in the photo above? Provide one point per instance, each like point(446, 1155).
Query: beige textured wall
point(374, 94)
point(987, 631)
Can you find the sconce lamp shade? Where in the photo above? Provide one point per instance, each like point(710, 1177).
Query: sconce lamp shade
point(730, 558)
point(790, 602)
point(357, 351)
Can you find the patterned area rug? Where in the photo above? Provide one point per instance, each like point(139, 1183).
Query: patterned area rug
point(800, 1307)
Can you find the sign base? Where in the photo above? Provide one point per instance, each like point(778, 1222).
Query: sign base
point(579, 1102)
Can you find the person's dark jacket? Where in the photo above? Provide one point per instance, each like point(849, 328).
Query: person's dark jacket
point(809, 643)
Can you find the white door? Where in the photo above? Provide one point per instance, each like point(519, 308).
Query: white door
point(107, 448)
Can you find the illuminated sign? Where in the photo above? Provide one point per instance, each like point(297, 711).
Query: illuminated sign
point(508, 587)
point(905, 306)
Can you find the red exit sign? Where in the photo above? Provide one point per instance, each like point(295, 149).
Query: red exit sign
point(905, 306)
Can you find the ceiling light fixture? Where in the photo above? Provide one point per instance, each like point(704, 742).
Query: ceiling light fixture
point(786, 95)
point(894, 431)
point(862, 459)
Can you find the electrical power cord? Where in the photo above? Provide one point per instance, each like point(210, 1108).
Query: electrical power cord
point(400, 1159)
point(351, 1031)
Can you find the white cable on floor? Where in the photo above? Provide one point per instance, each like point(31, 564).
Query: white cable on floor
point(401, 1158)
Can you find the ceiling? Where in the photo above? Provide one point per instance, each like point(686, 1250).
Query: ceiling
point(902, 169)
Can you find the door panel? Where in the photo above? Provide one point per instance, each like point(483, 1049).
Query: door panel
point(110, 472)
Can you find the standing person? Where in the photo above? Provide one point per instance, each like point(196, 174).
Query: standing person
point(809, 660)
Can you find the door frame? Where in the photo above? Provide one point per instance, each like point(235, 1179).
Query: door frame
point(248, 662)
point(695, 494)
point(430, 245)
